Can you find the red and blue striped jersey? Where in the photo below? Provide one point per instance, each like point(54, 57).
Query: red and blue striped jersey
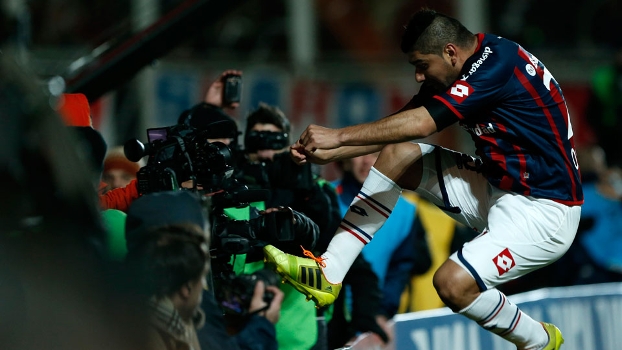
point(517, 116)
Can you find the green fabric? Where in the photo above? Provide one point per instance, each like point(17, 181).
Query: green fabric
point(239, 263)
point(243, 213)
point(328, 313)
point(114, 224)
point(297, 327)
point(603, 87)
point(322, 182)
point(233, 213)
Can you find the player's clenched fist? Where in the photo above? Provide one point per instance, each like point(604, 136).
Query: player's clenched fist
point(317, 137)
point(300, 156)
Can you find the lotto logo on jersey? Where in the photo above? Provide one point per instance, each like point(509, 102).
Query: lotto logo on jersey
point(460, 90)
point(504, 261)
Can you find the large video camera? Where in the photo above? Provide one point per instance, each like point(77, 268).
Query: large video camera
point(182, 152)
point(237, 228)
point(177, 154)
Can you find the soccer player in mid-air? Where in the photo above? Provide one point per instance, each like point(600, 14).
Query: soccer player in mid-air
point(523, 192)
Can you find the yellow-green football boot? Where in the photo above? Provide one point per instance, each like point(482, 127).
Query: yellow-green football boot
point(305, 274)
point(555, 336)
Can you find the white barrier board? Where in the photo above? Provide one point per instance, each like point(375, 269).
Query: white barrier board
point(589, 316)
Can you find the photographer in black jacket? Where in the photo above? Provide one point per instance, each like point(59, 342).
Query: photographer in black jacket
point(266, 138)
point(268, 166)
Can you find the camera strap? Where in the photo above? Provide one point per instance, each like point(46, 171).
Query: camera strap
point(182, 147)
point(259, 310)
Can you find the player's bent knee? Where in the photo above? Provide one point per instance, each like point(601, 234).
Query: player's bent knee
point(401, 163)
point(456, 288)
point(402, 150)
point(442, 282)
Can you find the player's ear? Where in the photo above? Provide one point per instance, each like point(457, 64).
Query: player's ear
point(452, 53)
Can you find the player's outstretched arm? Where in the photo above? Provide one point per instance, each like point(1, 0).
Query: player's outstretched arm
point(403, 126)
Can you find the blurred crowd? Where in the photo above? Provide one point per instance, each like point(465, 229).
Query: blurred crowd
point(180, 256)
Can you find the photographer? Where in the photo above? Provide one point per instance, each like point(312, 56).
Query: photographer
point(214, 124)
point(209, 119)
point(265, 140)
point(267, 165)
point(168, 256)
point(243, 222)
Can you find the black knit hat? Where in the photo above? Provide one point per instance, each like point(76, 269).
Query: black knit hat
point(210, 119)
point(93, 144)
point(162, 209)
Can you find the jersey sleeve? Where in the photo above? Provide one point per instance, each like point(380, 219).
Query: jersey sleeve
point(425, 98)
point(426, 92)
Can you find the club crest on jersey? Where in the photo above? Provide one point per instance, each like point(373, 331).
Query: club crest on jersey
point(530, 70)
point(504, 261)
point(460, 90)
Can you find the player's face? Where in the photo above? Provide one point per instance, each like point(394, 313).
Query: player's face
point(436, 70)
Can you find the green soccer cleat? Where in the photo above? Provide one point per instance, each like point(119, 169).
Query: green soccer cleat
point(304, 274)
point(555, 336)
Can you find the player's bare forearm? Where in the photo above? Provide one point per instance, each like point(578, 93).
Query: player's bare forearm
point(343, 152)
point(403, 126)
point(324, 156)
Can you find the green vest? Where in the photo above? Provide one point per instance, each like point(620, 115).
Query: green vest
point(297, 326)
point(603, 86)
point(114, 225)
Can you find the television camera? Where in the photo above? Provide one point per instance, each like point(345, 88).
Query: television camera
point(181, 153)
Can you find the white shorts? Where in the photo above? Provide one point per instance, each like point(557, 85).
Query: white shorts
point(519, 234)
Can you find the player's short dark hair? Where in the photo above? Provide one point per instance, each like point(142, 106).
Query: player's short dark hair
point(266, 114)
point(171, 257)
point(428, 32)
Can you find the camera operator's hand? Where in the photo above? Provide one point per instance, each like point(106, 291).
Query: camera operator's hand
point(273, 312)
point(189, 184)
point(214, 95)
